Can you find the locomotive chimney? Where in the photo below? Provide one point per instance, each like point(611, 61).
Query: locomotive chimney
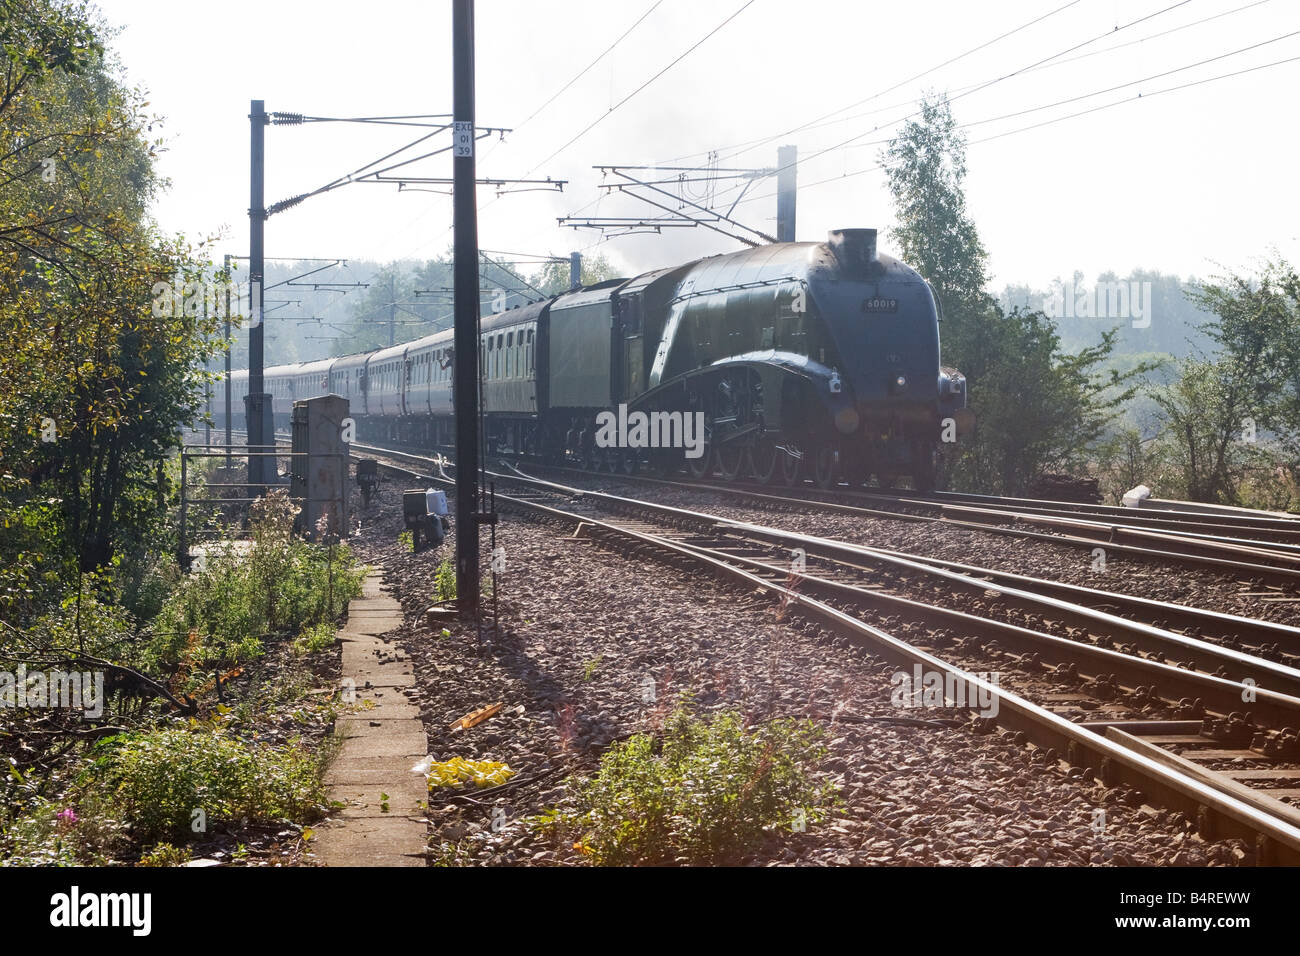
point(854, 249)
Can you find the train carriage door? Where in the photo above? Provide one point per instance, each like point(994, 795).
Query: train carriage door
point(530, 367)
point(632, 314)
point(406, 383)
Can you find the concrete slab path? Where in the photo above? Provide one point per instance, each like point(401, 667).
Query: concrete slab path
point(380, 745)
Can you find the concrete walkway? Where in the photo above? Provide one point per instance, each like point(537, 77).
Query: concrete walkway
point(379, 748)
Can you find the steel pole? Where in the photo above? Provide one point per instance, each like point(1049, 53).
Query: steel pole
point(787, 187)
point(256, 401)
point(466, 285)
point(229, 349)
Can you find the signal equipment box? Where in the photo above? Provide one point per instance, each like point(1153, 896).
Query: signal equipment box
point(319, 470)
point(425, 515)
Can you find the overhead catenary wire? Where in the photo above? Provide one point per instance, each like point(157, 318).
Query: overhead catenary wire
point(1048, 122)
point(852, 142)
point(1057, 59)
point(594, 123)
point(613, 109)
point(912, 79)
point(988, 83)
point(816, 124)
point(752, 144)
point(969, 91)
point(585, 70)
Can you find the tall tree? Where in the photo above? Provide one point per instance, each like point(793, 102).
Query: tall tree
point(1236, 411)
point(1036, 407)
point(553, 278)
point(926, 167)
point(94, 388)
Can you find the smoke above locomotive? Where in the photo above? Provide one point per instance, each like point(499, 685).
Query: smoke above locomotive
point(782, 362)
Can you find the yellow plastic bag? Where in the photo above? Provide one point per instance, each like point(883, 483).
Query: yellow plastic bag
point(458, 771)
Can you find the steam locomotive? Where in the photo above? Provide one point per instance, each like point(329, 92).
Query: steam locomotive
point(799, 360)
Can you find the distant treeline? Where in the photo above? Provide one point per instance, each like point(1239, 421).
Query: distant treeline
point(1172, 323)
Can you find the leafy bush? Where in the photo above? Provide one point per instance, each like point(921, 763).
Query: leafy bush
point(706, 792)
point(161, 777)
point(148, 581)
point(444, 582)
point(319, 637)
point(221, 615)
point(43, 835)
point(95, 624)
point(164, 854)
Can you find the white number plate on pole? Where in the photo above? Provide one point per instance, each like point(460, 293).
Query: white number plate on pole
point(463, 138)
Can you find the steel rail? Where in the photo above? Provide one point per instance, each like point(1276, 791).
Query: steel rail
point(1219, 814)
point(1192, 550)
point(1278, 707)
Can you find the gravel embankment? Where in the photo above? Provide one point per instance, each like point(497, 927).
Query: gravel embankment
point(585, 629)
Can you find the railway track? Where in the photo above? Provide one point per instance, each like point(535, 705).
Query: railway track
point(1230, 525)
point(1098, 718)
point(1271, 562)
point(1212, 519)
point(1212, 539)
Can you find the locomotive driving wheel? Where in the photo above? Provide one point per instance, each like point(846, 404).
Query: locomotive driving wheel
point(730, 414)
point(791, 468)
point(731, 459)
point(701, 467)
point(764, 460)
point(826, 466)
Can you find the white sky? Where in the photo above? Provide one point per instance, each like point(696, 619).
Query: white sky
point(1178, 182)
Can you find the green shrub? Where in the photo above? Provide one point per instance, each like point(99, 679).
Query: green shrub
point(318, 637)
point(282, 586)
point(444, 581)
point(706, 792)
point(162, 777)
point(148, 580)
point(96, 624)
point(38, 837)
point(164, 854)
